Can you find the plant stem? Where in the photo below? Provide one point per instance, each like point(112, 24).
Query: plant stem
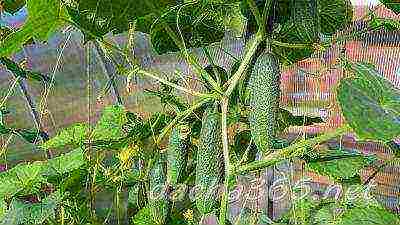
point(256, 12)
point(110, 71)
point(179, 117)
point(166, 82)
point(290, 45)
point(191, 60)
point(295, 150)
point(232, 82)
point(225, 148)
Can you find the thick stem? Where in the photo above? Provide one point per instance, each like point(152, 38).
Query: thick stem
point(110, 71)
point(233, 81)
point(295, 150)
point(225, 148)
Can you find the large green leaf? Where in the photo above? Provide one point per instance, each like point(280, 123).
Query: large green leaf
point(13, 6)
point(368, 214)
point(24, 178)
point(334, 15)
point(143, 217)
point(44, 17)
point(392, 4)
point(300, 29)
point(370, 104)
point(74, 135)
point(66, 163)
point(99, 17)
point(339, 165)
point(280, 13)
point(110, 125)
point(35, 213)
point(197, 24)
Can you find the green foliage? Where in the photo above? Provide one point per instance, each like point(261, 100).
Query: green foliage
point(13, 6)
point(66, 163)
point(264, 86)
point(394, 5)
point(209, 167)
point(177, 154)
point(74, 136)
point(98, 17)
point(143, 217)
point(44, 17)
point(32, 213)
point(195, 32)
point(334, 15)
point(387, 24)
point(367, 214)
point(109, 127)
point(300, 29)
point(370, 104)
point(218, 74)
point(339, 165)
point(25, 179)
point(280, 13)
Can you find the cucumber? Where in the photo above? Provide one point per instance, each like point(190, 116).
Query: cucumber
point(158, 197)
point(264, 99)
point(177, 154)
point(209, 167)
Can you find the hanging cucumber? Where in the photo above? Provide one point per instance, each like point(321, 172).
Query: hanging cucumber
point(177, 154)
point(158, 199)
point(264, 91)
point(209, 167)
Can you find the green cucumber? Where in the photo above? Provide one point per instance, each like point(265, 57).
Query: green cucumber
point(177, 154)
point(209, 167)
point(264, 87)
point(158, 197)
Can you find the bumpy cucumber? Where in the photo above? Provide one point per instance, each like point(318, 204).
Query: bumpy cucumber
point(264, 90)
point(209, 167)
point(177, 154)
point(158, 199)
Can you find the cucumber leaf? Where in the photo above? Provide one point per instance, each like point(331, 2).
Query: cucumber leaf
point(35, 213)
point(197, 28)
point(44, 17)
point(394, 5)
point(334, 15)
point(74, 135)
point(370, 104)
point(339, 165)
point(66, 163)
point(110, 125)
point(144, 217)
point(367, 214)
point(13, 6)
point(99, 17)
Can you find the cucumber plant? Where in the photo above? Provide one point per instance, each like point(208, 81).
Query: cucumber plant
point(180, 165)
